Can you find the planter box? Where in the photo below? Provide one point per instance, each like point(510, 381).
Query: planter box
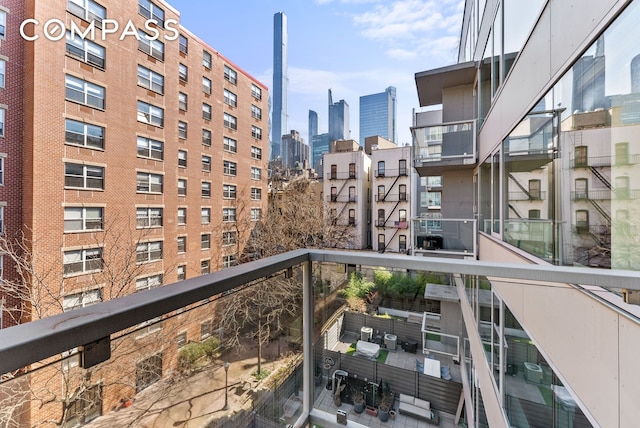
point(371, 411)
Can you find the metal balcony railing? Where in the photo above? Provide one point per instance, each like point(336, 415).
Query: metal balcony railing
point(453, 141)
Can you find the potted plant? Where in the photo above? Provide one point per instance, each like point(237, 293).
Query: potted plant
point(358, 400)
point(386, 400)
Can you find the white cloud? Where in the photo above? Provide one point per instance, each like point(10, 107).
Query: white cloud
point(402, 54)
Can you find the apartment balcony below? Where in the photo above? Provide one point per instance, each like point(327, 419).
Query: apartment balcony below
point(455, 237)
point(440, 147)
point(147, 358)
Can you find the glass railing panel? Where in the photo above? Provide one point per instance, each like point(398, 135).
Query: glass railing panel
point(439, 234)
point(444, 141)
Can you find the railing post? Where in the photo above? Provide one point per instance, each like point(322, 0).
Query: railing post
point(308, 365)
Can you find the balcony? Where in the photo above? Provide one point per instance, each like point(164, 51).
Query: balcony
point(456, 237)
point(126, 365)
point(444, 146)
point(341, 198)
point(389, 172)
point(392, 197)
point(342, 175)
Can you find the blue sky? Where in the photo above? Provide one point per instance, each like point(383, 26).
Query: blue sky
point(354, 47)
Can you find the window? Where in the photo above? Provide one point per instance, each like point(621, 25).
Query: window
point(86, 406)
point(228, 261)
point(3, 24)
point(205, 267)
point(182, 101)
point(534, 189)
point(402, 216)
point(230, 75)
point(182, 244)
point(256, 92)
point(181, 339)
point(206, 85)
point(402, 192)
point(352, 217)
point(256, 112)
point(402, 167)
point(256, 194)
point(230, 98)
point(182, 187)
point(206, 163)
point(83, 176)
point(256, 152)
point(84, 134)
point(334, 194)
point(230, 121)
point(82, 261)
point(402, 243)
point(256, 173)
point(150, 46)
point(581, 188)
point(182, 158)
point(206, 111)
point(183, 72)
point(230, 145)
point(81, 300)
point(352, 170)
point(152, 149)
point(621, 188)
point(206, 59)
point(85, 9)
point(381, 217)
point(229, 237)
point(381, 239)
point(621, 150)
point(582, 221)
point(184, 44)
point(206, 328)
point(229, 168)
point(85, 50)
point(151, 11)
point(228, 214)
point(181, 273)
point(381, 170)
point(149, 251)
point(381, 193)
point(256, 132)
point(205, 241)
point(147, 182)
point(581, 156)
point(205, 189)
point(182, 130)
point(205, 215)
point(148, 282)
point(84, 92)
point(228, 191)
point(206, 137)
point(150, 114)
point(256, 214)
point(148, 217)
point(334, 172)
point(1, 176)
point(182, 216)
point(434, 199)
point(352, 194)
point(3, 70)
point(77, 219)
point(148, 371)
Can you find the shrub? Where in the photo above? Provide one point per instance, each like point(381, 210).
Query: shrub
point(212, 347)
point(189, 354)
point(358, 286)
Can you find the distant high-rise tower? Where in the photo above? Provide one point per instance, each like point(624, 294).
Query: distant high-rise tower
point(338, 119)
point(313, 124)
point(378, 115)
point(280, 82)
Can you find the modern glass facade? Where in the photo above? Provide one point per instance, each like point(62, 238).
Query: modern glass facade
point(378, 115)
point(280, 82)
point(338, 119)
point(319, 146)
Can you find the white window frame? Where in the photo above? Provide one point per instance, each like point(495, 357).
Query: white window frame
point(150, 149)
point(147, 182)
point(230, 145)
point(85, 257)
point(256, 214)
point(93, 136)
point(148, 217)
point(229, 260)
point(230, 75)
point(229, 168)
point(205, 267)
point(181, 216)
point(256, 173)
point(206, 163)
point(3, 72)
point(206, 111)
point(2, 122)
point(256, 152)
point(87, 10)
point(207, 59)
point(147, 252)
point(182, 158)
point(256, 92)
point(181, 272)
point(90, 174)
point(206, 85)
point(206, 137)
point(228, 215)
point(83, 215)
point(229, 191)
point(205, 215)
point(86, 50)
point(230, 98)
point(230, 121)
point(3, 24)
point(205, 241)
point(150, 10)
point(183, 72)
point(149, 282)
point(151, 80)
point(1, 223)
point(183, 44)
point(150, 46)
point(84, 92)
point(182, 187)
point(2, 164)
point(256, 194)
point(205, 189)
point(181, 244)
point(83, 299)
point(148, 113)
point(183, 101)
point(183, 130)
point(256, 112)
point(256, 132)
point(229, 237)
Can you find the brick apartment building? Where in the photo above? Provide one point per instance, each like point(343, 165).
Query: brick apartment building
point(122, 150)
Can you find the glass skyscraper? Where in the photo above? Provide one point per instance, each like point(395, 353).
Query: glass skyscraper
point(338, 119)
point(378, 115)
point(280, 82)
